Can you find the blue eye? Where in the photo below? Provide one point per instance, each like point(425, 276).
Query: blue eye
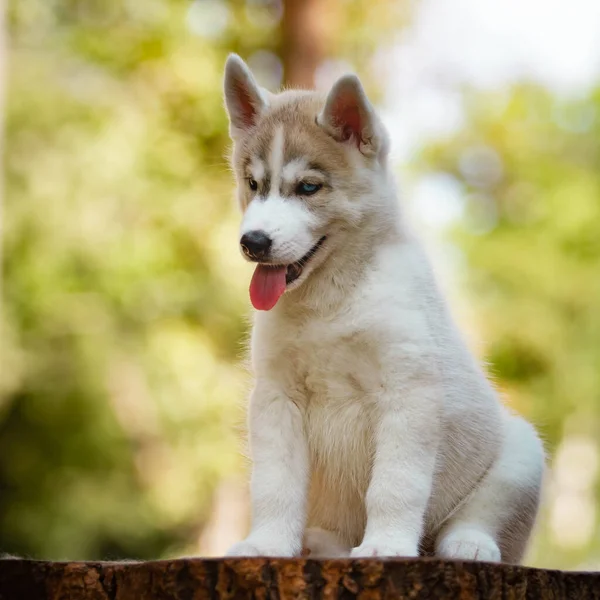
point(307, 189)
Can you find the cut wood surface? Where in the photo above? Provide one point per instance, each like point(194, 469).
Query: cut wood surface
point(196, 579)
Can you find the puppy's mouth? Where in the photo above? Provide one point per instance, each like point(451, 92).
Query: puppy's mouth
point(294, 270)
point(270, 281)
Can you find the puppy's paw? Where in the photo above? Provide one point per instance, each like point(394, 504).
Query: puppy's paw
point(389, 547)
point(244, 549)
point(261, 547)
point(469, 544)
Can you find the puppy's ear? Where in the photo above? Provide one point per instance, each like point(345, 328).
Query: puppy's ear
point(244, 99)
point(348, 116)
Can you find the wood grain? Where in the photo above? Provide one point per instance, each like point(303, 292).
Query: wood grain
point(215, 579)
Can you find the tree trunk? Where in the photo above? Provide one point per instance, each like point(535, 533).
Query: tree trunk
point(306, 30)
point(3, 52)
point(237, 579)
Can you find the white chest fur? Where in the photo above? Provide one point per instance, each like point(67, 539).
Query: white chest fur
point(336, 368)
point(330, 370)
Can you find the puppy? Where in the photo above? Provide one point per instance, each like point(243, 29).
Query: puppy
point(373, 430)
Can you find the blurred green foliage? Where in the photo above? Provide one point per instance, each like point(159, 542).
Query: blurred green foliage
point(124, 306)
point(527, 164)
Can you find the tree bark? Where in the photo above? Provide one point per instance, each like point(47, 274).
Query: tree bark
point(236, 579)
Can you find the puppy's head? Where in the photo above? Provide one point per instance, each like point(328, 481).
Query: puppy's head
point(308, 168)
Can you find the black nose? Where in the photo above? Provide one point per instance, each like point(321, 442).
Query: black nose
point(256, 244)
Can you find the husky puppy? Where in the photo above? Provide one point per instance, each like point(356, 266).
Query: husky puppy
point(373, 430)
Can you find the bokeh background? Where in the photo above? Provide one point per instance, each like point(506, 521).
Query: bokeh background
point(124, 299)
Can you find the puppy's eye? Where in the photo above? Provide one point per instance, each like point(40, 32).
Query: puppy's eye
point(253, 184)
point(307, 189)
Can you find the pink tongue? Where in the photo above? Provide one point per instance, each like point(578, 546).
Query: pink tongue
point(266, 287)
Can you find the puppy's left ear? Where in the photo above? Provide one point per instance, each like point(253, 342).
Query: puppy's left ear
point(349, 116)
point(244, 99)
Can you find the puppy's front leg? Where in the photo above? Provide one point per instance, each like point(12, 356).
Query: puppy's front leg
point(279, 483)
point(406, 441)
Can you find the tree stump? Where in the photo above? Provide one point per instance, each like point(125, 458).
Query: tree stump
point(372, 579)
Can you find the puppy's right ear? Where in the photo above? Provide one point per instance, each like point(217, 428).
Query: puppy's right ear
point(244, 99)
point(348, 116)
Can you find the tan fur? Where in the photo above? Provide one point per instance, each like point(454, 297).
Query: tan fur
point(296, 112)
